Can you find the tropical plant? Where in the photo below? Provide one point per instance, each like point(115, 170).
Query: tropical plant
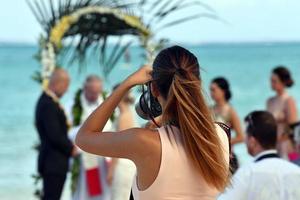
point(90, 24)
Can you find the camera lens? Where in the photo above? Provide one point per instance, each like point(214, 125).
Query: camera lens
point(141, 107)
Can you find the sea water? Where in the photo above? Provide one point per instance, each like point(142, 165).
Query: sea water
point(246, 66)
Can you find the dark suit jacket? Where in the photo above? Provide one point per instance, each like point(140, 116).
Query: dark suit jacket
point(56, 148)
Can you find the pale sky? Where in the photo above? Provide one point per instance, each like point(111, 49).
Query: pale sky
point(248, 21)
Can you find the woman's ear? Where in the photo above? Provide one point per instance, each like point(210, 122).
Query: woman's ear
point(154, 90)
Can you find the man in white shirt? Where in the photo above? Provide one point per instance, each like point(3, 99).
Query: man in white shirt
point(268, 177)
point(90, 182)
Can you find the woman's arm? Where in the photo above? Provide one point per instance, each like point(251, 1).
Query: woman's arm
point(125, 121)
point(236, 126)
point(121, 144)
point(291, 111)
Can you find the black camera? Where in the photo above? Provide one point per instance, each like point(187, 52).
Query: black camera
point(148, 106)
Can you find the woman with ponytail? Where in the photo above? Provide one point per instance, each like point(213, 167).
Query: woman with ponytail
point(187, 158)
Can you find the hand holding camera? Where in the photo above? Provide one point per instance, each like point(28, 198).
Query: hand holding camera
point(140, 77)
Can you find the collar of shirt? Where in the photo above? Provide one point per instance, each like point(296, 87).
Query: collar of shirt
point(86, 103)
point(52, 95)
point(272, 151)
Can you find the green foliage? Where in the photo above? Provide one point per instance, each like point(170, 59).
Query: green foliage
point(75, 170)
point(37, 177)
point(37, 192)
point(77, 109)
point(94, 30)
point(36, 76)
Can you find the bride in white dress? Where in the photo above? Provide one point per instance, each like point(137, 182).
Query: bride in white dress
point(122, 171)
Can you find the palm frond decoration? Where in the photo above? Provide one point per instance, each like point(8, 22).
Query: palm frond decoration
point(159, 15)
point(89, 24)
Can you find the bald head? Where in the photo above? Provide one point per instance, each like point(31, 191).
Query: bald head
point(59, 82)
point(92, 88)
point(59, 75)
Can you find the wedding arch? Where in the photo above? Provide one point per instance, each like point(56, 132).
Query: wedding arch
point(86, 24)
point(73, 27)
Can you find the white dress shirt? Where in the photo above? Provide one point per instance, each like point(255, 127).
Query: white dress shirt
point(88, 108)
point(267, 179)
point(90, 161)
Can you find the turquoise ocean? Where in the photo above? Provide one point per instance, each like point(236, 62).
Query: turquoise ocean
point(247, 67)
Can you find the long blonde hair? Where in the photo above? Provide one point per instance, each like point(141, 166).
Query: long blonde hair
point(177, 77)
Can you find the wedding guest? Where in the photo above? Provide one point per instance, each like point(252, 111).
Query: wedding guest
point(52, 126)
point(90, 183)
point(122, 171)
point(188, 156)
point(225, 113)
point(283, 108)
point(269, 176)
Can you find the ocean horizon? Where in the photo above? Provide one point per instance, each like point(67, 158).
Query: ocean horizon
point(206, 43)
point(246, 65)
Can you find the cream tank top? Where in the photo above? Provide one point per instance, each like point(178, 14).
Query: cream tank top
point(177, 179)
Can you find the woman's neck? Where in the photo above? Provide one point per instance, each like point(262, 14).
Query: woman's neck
point(221, 103)
point(280, 92)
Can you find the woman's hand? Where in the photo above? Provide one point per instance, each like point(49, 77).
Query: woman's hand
point(141, 76)
point(109, 177)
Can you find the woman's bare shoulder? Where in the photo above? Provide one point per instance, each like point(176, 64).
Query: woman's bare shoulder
point(144, 134)
point(143, 137)
point(143, 142)
point(223, 139)
point(291, 99)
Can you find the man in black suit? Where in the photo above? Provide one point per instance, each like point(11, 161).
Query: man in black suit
point(52, 126)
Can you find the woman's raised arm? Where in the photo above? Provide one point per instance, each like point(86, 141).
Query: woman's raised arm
point(90, 137)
